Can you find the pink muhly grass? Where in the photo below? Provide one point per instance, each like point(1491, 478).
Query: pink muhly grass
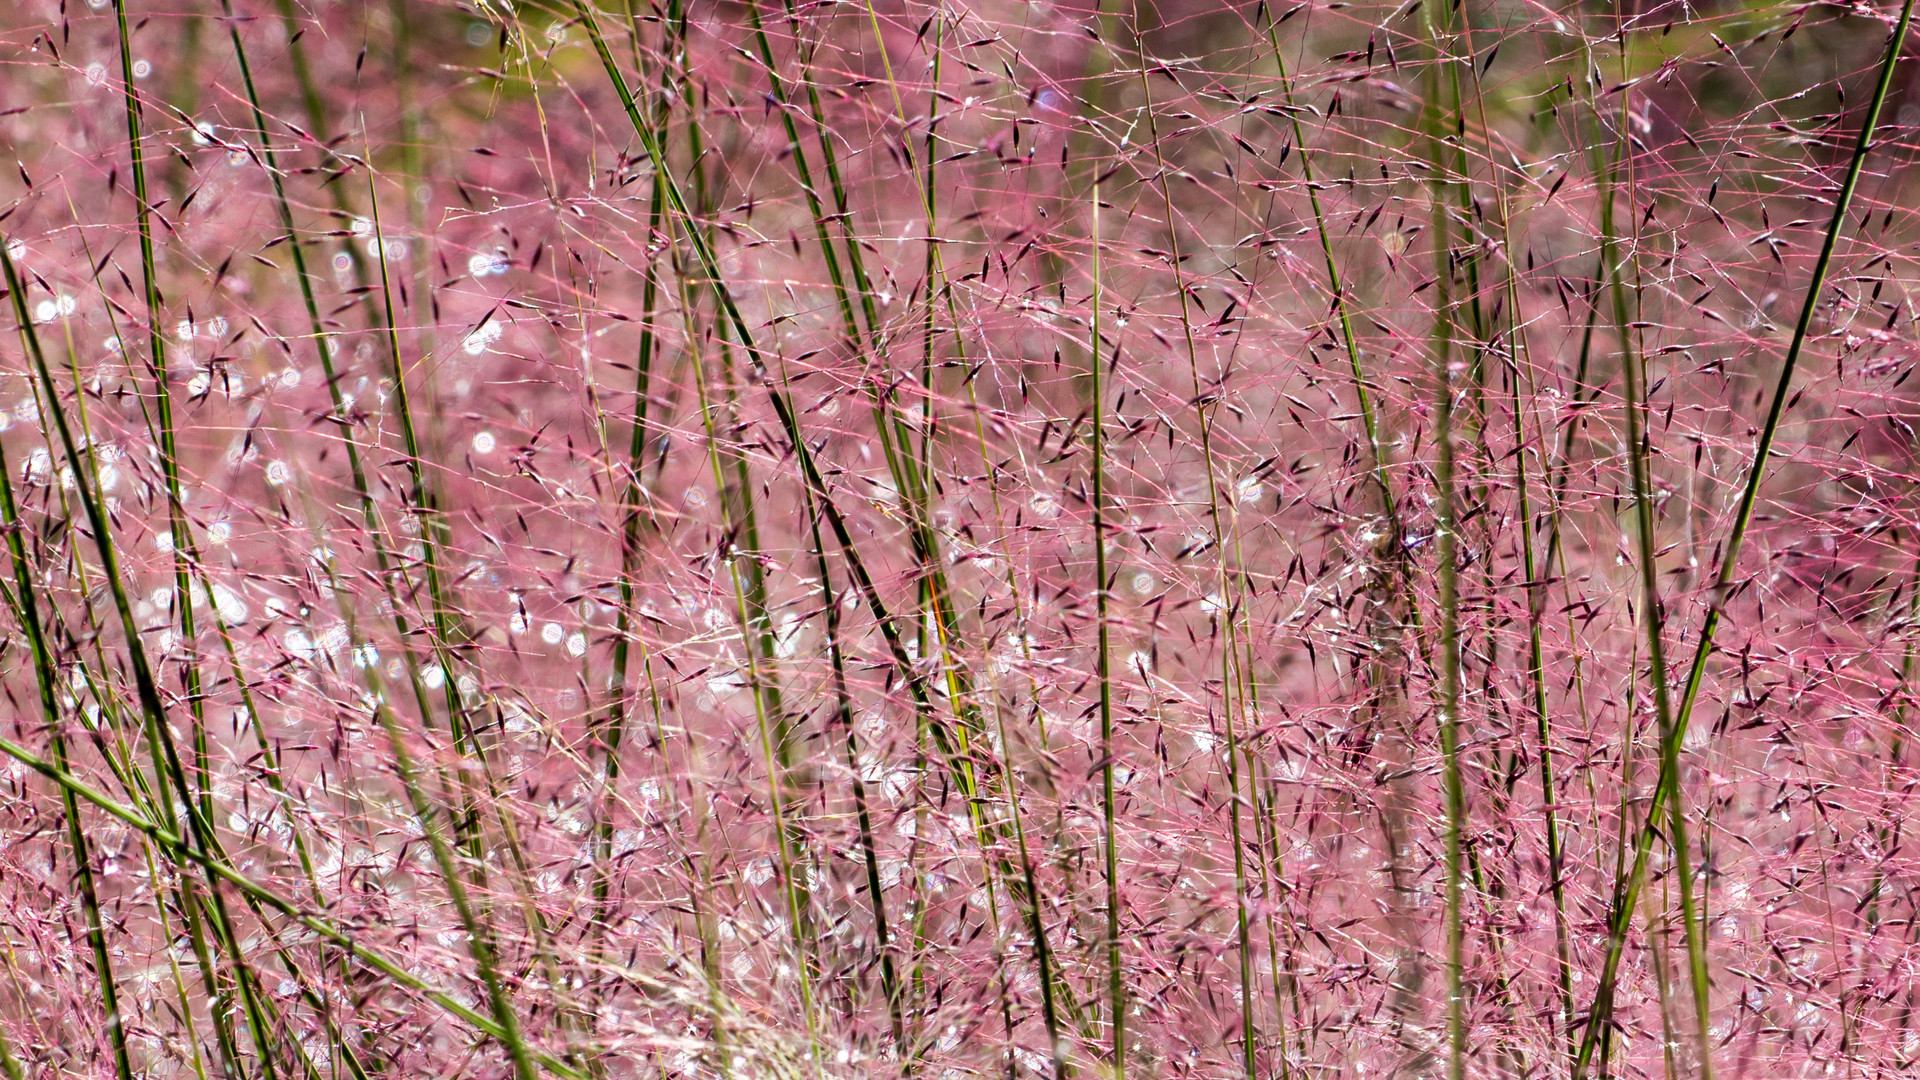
point(608, 539)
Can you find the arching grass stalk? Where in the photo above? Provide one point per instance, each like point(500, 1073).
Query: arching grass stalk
point(118, 759)
point(909, 481)
point(909, 477)
point(803, 171)
point(303, 276)
point(467, 824)
point(479, 937)
point(193, 907)
point(163, 404)
point(914, 471)
point(698, 222)
point(1667, 787)
point(1054, 992)
point(850, 328)
point(743, 556)
point(843, 705)
point(262, 1013)
point(270, 767)
point(757, 629)
point(914, 476)
point(627, 626)
point(427, 816)
point(375, 532)
point(1558, 471)
point(1606, 172)
point(423, 504)
point(1056, 995)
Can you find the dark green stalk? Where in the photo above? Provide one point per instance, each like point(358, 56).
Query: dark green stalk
point(259, 1009)
point(422, 503)
point(412, 160)
point(804, 172)
point(912, 474)
point(374, 531)
point(1397, 575)
point(190, 906)
point(115, 1020)
point(908, 480)
point(254, 1004)
point(910, 484)
point(697, 221)
point(958, 758)
point(912, 477)
point(935, 592)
